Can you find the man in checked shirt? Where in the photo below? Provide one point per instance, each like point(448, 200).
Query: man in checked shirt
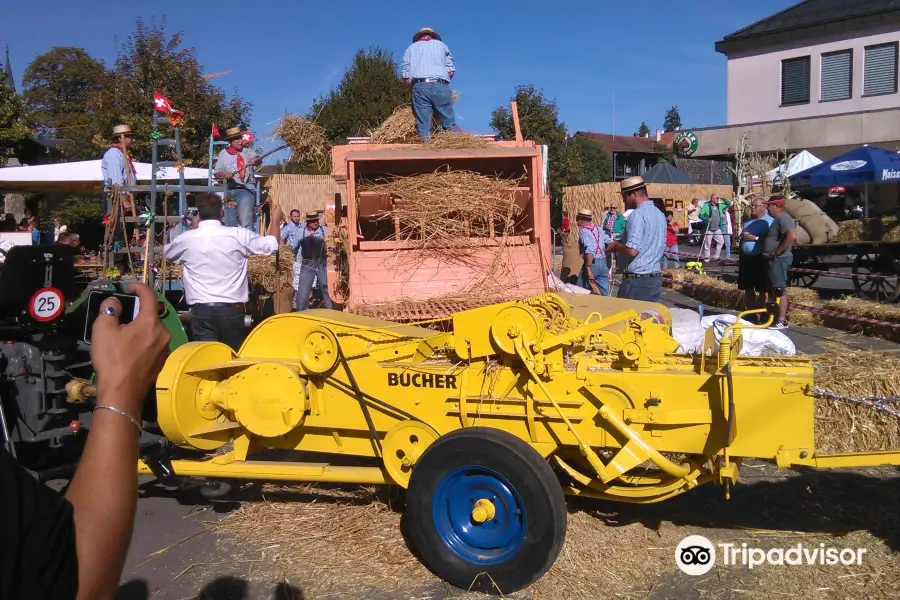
point(642, 245)
point(426, 70)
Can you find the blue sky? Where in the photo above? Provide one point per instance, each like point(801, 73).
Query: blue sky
point(649, 54)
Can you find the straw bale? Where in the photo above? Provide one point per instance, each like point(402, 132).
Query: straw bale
point(797, 295)
point(848, 427)
point(865, 308)
point(303, 192)
point(597, 196)
point(306, 138)
point(869, 230)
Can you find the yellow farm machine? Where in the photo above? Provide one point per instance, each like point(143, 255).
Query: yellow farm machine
point(489, 425)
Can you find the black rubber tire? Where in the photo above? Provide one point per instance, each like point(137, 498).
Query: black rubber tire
point(531, 478)
point(213, 489)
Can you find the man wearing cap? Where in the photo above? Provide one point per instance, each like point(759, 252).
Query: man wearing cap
point(427, 69)
point(592, 242)
point(776, 247)
point(235, 166)
point(215, 270)
point(309, 246)
point(642, 245)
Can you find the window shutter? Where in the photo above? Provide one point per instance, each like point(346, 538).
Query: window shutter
point(795, 80)
point(837, 69)
point(880, 75)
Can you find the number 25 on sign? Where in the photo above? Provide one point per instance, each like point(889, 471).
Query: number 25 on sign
point(46, 304)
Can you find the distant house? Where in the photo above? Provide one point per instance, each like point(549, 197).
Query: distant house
point(631, 155)
point(821, 75)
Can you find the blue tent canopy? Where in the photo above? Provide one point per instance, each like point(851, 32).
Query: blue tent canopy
point(860, 166)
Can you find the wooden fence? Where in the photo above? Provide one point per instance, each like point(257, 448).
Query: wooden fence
point(302, 192)
point(598, 196)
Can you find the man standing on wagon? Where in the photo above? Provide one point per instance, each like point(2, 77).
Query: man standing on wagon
point(426, 70)
point(236, 167)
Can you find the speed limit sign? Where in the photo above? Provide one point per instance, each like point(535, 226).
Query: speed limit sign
point(46, 304)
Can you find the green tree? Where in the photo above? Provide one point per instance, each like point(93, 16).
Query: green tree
point(14, 131)
point(367, 95)
point(539, 121)
point(643, 130)
point(60, 88)
point(84, 216)
point(151, 60)
point(594, 164)
point(672, 120)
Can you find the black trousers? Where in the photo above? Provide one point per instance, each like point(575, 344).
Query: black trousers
point(218, 324)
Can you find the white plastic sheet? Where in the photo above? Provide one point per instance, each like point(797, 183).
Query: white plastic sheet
point(689, 329)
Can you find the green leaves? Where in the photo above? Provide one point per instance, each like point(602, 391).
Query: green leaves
point(673, 120)
point(75, 97)
point(572, 161)
point(14, 130)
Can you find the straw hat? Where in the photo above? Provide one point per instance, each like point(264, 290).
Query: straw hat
point(584, 213)
point(120, 130)
point(426, 31)
point(631, 184)
point(233, 133)
point(312, 216)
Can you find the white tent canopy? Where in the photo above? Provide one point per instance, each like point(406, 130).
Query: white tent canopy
point(82, 177)
point(802, 161)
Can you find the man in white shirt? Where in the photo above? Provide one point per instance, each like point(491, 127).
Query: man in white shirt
point(215, 270)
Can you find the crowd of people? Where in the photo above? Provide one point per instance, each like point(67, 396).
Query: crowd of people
point(645, 240)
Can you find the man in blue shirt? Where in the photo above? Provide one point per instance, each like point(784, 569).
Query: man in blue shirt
point(427, 69)
point(309, 246)
point(642, 245)
point(592, 241)
point(752, 264)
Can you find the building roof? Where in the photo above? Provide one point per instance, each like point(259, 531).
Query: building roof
point(811, 19)
point(627, 143)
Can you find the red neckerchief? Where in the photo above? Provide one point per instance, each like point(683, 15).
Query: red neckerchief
point(311, 230)
point(130, 162)
point(425, 38)
point(240, 159)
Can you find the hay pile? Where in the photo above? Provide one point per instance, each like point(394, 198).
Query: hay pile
point(870, 230)
point(848, 427)
point(733, 301)
point(454, 140)
point(865, 308)
point(306, 138)
point(443, 213)
point(405, 310)
point(399, 128)
point(262, 273)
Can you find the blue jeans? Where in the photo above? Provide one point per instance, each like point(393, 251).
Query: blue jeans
point(727, 244)
point(601, 278)
point(310, 270)
point(242, 214)
point(664, 263)
point(430, 98)
point(647, 289)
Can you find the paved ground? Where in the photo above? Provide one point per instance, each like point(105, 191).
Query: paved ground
point(174, 556)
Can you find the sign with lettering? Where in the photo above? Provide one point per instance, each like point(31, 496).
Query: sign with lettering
point(422, 380)
point(685, 143)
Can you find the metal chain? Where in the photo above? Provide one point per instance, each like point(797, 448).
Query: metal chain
point(873, 402)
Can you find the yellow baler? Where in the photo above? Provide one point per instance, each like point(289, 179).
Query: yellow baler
point(489, 425)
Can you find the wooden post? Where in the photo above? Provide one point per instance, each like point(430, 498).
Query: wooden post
point(515, 116)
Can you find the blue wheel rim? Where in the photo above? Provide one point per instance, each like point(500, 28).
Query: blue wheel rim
point(491, 542)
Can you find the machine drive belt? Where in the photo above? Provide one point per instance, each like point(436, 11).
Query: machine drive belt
point(362, 402)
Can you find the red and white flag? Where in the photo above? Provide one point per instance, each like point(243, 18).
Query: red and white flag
point(161, 103)
point(247, 137)
point(215, 132)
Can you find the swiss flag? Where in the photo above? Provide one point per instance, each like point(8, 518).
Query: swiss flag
point(161, 103)
point(215, 132)
point(247, 137)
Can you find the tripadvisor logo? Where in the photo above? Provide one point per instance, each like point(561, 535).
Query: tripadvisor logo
point(696, 555)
